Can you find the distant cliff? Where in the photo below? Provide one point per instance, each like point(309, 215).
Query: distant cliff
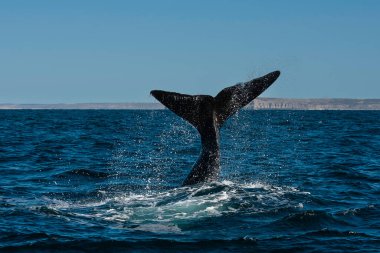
point(315, 104)
point(85, 106)
point(257, 104)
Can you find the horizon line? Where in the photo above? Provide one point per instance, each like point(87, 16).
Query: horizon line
point(259, 103)
point(155, 102)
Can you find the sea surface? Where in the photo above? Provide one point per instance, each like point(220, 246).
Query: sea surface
point(109, 180)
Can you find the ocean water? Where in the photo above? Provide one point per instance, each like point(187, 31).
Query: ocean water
point(99, 180)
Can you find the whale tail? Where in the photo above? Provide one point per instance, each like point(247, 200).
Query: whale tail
point(208, 114)
point(195, 109)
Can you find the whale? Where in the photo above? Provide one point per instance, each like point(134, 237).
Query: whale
point(208, 114)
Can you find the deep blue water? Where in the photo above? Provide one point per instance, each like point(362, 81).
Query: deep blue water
point(292, 181)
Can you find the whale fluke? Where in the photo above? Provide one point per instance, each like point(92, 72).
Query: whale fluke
point(207, 114)
point(231, 99)
point(186, 106)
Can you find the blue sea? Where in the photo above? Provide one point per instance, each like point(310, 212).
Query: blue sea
point(109, 181)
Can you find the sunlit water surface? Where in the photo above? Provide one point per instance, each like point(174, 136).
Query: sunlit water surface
point(297, 181)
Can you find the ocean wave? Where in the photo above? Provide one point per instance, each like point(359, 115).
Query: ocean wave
point(107, 245)
point(336, 233)
point(186, 203)
point(350, 174)
point(309, 219)
point(370, 211)
point(84, 173)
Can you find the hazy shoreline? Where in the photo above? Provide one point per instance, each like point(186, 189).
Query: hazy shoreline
point(257, 104)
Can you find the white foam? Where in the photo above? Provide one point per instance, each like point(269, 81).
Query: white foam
point(161, 211)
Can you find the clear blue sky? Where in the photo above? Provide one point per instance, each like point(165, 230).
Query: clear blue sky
point(117, 51)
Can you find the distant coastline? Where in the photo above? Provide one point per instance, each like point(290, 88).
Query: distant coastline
point(257, 104)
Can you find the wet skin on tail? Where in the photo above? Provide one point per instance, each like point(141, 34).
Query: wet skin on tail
point(207, 114)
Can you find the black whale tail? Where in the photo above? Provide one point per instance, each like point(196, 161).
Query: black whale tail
point(207, 114)
point(199, 109)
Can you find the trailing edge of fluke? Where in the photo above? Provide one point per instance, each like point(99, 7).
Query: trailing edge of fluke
point(207, 114)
